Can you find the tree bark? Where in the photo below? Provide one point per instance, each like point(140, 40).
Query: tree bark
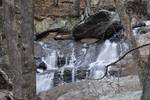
point(76, 11)
point(20, 48)
point(146, 82)
point(87, 8)
point(148, 8)
point(12, 46)
point(27, 51)
point(126, 18)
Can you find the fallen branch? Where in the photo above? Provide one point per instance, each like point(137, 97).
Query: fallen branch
point(106, 67)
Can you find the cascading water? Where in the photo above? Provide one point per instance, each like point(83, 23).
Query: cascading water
point(45, 81)
point(108, 54)
point(69, 61)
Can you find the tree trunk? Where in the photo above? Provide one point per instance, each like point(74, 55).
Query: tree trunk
point(27, 51)
point(140, 64)
point(12, 46)
point(148, 8)
point(88, 8)
point(20, 48)
point(126, 20)
point(76, 11)
point(146, 82)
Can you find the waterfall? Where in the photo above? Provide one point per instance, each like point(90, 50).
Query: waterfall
point(70, 61)
point(108, 54)
point(50, 60)
point(66, 60)
point(45, 81)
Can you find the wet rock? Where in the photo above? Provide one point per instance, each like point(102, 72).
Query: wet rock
point(117, 37)
point(57, 78)
point(101, 25)
point(81, 74)
point(114, 73)
point(141, 24)
point(67, 77)
point(143, 30)
point(41, 67)
point(61, 61)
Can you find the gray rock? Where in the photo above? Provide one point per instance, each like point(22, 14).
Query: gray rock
point(101, 25)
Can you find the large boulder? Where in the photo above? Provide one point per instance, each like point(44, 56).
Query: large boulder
point(100, 25)
point(105, 90)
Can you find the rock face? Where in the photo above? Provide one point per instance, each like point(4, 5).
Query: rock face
point(53, 23)
point(100, 25)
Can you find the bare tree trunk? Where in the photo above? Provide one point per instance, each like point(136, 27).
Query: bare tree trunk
point(27, 51)
point(76, 11)
point(87, 8)
point(126, 20)
point(148, 8)
point(146, 83)
point(12, 46)
point(20, 48)
point(140, 65)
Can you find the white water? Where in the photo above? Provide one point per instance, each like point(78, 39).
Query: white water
point(108, 55)
point(50, 60)
point(147, 22)
point(71, 64)
point(45, 81)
